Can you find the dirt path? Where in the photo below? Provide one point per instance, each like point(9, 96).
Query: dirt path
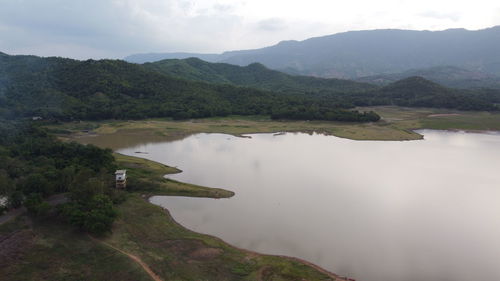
point(133, 257)
point(443, 115)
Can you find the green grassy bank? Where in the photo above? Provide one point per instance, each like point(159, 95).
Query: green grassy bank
point(397, 123)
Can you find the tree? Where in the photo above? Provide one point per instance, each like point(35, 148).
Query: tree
point(6, 184)
point(37, 183)
point(36, 206)
point(15, 199)
point(95, 216)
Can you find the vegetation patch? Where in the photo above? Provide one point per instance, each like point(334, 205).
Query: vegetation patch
point(148, 177)
point(51, 250)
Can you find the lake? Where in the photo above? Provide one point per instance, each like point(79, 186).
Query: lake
point(370, 210)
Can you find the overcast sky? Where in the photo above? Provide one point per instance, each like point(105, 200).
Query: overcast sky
point(116, 28)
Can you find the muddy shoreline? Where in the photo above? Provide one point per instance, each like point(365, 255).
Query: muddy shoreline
point(252, 253)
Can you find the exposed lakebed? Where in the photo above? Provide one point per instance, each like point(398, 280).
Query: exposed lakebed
point(370, 210)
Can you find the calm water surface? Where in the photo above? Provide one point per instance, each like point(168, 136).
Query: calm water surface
point(392, 211)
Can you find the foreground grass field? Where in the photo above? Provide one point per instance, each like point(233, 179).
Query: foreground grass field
point(51, 250)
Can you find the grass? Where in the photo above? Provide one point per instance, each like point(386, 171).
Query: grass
point(50, 250)
point(479, 121)
point(147, 177)
point(397, 124)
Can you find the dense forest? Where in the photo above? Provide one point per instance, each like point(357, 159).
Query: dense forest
point(35, 165)
point(419, 92)
point(67, 89)
point(448, 76)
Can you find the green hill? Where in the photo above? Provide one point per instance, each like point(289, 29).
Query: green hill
point(419, 92)
point(254, 75)
point(68, 89)
point(449, 76)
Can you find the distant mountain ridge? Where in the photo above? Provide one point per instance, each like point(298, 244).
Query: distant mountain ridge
point(153, 57)
point(356, 54)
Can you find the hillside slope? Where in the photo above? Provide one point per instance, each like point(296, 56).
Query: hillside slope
point(254, 75)
point(67, 89)
point(449, 76)
point(419, 92)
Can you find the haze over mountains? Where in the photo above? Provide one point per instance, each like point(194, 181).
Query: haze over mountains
point(356, 54)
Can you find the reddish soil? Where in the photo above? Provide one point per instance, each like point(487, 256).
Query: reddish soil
point(14, 245)
point(443, 115)
point(134, 258)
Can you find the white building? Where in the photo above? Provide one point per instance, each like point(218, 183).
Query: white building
point(121, 178)
point(3, 201)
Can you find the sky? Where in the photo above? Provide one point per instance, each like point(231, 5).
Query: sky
point(96, 29)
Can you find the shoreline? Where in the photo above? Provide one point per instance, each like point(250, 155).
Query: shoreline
point(146, 196)
point(253, 253)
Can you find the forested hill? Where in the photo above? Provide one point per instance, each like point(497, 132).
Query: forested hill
point(67, 89)
point(449, 76)
point(254, 75)
point(419, 92)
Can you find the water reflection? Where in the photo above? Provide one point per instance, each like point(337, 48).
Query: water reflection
point(419, 210)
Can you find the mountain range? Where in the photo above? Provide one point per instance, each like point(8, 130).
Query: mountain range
point(356, 54)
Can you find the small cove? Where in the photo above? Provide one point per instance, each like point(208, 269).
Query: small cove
point(414, 210)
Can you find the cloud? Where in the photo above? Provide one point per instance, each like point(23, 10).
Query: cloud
point(225, 8)
point(90, 24)
point(439, 15)
point(272, 24)
point(113, 28)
